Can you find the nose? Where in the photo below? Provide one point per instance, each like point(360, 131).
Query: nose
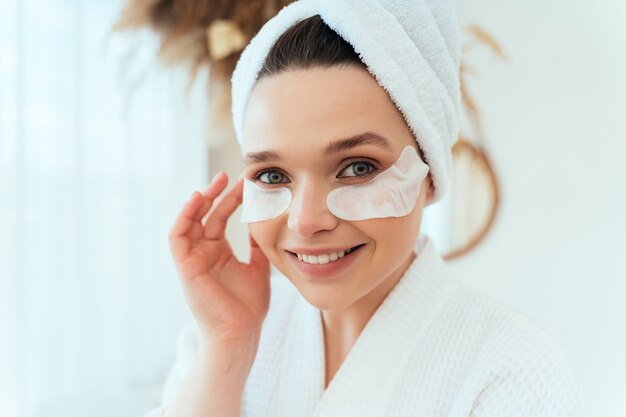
point(308, 212)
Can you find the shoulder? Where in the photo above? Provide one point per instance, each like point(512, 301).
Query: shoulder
point(482, 323)
point(502, 330)
point(517, 368)
point(501, 335)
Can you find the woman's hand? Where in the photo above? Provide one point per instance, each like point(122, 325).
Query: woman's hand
point(228, 299)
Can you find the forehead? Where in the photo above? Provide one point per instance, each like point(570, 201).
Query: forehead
point(306, 110)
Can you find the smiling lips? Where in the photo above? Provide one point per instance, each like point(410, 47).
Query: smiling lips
point(325, 262)
point(321, 256)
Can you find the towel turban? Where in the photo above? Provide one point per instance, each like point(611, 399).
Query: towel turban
point(411, 47)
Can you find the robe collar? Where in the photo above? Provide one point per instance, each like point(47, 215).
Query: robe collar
point(364, 384)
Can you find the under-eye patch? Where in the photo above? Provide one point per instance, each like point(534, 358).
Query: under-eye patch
point(260, 204)
point(392, 193)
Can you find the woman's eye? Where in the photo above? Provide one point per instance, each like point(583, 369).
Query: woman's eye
point(359, 169)
point(271, 177)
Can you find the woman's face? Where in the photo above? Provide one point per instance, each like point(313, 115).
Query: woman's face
point(295, 116)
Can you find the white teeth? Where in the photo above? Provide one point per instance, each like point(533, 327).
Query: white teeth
point(322, 259)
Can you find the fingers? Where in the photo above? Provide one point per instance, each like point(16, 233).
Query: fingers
point(212, 190)
point(194, 209)
point(215, 225)
point(177, 237)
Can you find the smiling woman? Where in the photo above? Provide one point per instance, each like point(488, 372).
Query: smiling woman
point(323, 104)
point(342, 150)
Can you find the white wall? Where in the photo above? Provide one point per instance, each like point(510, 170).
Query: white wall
point(555, 123)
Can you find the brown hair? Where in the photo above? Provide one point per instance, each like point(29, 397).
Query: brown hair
point(307, 44)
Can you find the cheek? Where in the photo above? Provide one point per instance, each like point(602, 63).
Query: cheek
point(266, 235)
point(393, 236)
point(261, 233)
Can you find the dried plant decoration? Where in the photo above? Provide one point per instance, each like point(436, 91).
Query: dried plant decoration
point(191, 24)
point(477, 37)
point(202, 34)
point(224, 38)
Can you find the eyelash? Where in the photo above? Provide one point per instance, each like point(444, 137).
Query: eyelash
point(257, 176)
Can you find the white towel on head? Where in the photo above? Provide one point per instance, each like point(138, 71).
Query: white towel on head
point(411, 47)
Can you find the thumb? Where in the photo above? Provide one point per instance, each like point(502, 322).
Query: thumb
point(257, 257)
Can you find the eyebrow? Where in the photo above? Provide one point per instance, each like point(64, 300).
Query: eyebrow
point(337, 145)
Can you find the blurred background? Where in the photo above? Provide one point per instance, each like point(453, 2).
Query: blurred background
point(104, 134)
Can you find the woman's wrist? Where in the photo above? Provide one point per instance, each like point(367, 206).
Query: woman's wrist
point(229, 357)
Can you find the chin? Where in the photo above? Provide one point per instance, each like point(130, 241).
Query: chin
point(322, 302)
point(324, 297)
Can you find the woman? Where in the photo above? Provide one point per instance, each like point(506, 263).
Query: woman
point(342, 150)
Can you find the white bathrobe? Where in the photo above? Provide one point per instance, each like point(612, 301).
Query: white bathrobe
point(434, 347)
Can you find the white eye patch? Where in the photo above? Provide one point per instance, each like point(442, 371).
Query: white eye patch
point(260, 204)
point(392, 193)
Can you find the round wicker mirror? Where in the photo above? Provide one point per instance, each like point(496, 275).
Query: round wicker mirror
point(474, 196)
point(474, 191)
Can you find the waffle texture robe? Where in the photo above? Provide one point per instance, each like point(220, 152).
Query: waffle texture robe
point(434, 347)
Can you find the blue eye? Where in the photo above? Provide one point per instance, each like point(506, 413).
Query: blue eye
point(273, 177)
point(360, 169)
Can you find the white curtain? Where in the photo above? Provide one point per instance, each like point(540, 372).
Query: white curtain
point(91, 178)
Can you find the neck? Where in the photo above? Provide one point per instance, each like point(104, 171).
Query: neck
point(343, 327)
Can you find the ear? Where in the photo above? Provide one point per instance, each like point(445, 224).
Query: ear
point(430, 192)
